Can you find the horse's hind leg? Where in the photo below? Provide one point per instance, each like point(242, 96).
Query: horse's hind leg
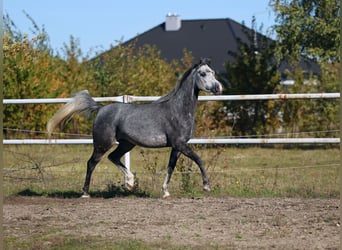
point(171, 166)
point(91, 164)
point(115, 157)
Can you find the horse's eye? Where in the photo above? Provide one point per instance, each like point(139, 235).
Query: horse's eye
point(202, 73)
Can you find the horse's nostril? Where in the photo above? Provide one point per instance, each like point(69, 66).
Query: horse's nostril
point(218, 88)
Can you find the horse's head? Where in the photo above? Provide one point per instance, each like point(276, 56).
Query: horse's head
point(205, 79)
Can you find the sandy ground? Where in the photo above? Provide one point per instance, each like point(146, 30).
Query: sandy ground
point(231, 223)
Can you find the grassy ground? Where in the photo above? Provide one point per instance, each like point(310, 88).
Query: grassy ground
point(66, 242)
point(59, 170)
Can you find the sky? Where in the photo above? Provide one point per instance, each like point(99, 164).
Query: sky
point(98, 24)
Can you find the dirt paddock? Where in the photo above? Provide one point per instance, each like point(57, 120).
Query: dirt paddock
point(195, 223)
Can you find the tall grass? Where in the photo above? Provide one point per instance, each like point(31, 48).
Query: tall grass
point(59, 170)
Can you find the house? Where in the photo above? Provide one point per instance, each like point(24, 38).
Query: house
point(211, 38)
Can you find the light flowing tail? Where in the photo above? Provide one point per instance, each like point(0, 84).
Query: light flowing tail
point(81, 103)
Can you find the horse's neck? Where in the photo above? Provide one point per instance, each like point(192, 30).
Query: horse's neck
point(186, 98)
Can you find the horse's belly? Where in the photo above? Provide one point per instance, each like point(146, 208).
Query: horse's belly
point(152, 140)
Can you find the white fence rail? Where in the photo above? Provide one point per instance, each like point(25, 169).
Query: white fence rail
point(191, 141)
point(130, 99)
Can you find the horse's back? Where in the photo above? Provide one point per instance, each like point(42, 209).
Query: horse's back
point(139, 124)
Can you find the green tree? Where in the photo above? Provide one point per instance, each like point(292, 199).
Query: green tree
point(312, 117)
point(27, 73)
point(308, 27)
point(254, 71)
point(31, 71)
point(127, 70)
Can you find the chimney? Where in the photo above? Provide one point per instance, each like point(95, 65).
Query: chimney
point(172, 22)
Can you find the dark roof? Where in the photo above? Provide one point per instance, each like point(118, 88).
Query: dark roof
point(210, 38)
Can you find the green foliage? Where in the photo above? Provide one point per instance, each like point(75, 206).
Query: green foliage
point(320, 117)
point(27, 74)
point(254, 71)
point(31, 71)
point(311, 29)
point(134, 71)
point(308, 27)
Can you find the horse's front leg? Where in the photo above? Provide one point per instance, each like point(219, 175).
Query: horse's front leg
point(171, 166)
point(187, 151)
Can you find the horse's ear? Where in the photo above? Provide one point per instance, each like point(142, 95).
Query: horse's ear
point(206, 61)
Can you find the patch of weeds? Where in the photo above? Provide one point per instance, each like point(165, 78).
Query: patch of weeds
point(187, 184)
point(238, 236)
point(167, 237)
point(15, 243)
point(63, 242)
point(131, 244)
point(248, 192)
point(197, 235)
point(151, 162)
point(201, 217)
point(328, 219)
point(299, 192)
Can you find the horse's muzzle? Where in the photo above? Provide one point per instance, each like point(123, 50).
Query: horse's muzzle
point(217, 88)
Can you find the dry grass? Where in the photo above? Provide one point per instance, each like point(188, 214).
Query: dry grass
point(59, 170)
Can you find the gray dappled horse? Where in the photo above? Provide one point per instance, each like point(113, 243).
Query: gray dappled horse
point(167, 122)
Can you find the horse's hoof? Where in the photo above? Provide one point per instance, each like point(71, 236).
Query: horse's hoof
point(206, 188)
point(166, 195)
point(129, 187)
point(85, 196)
point(129, 183)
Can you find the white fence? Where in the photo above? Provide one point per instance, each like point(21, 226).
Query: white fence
point(130, 99)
